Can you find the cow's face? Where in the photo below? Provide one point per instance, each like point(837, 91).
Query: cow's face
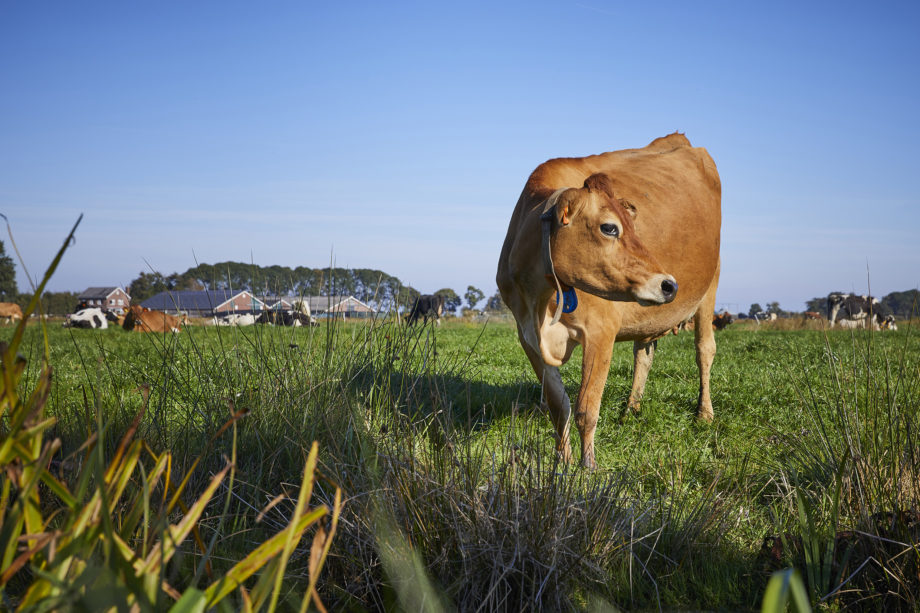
point(595, 247)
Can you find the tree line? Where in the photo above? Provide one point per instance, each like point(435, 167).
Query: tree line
point(375, 288)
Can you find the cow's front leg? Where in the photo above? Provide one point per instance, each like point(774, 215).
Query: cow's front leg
point(556, 400)
point(595, 366)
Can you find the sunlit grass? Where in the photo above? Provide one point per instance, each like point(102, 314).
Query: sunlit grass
point(437, 434)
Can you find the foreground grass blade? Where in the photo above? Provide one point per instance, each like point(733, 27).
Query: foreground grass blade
point(259, 557)
point(782, 585)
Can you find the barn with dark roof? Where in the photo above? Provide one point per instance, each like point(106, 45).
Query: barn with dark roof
point(205, 303)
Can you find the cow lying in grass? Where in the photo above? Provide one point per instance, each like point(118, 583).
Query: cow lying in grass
point(140, 319)
point(92, 318)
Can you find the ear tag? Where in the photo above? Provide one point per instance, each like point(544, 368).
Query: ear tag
point(565, 216)
point(569, 300)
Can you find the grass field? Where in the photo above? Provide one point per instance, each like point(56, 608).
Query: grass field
point(454, 498)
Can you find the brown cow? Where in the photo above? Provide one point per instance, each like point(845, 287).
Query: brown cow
point(11, 311)
point(141, 319)
point(721, 321)
point(812, 315)
point(618, 233)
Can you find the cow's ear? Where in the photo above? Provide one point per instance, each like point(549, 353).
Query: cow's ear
point(560, 203)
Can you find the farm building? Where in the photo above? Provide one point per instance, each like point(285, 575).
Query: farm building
point(112, 299)
point(338, 306)
point(205, 303)
point(208, 303)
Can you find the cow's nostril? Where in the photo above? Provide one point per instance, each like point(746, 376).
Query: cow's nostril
point(668, 288)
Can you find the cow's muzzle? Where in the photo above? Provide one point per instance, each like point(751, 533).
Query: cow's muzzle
point(659, 289)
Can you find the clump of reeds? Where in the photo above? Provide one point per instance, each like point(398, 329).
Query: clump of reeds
point(437, 514)
point(852, 487)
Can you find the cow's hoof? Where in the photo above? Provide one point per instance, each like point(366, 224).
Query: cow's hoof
point(588, 462)
point(564, 454)
point(631, 410)
point(704, 414)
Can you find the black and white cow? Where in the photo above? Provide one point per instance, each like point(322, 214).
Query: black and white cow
point(427, 305)
point(286, 318)
point(234, 319)
point(94, 318)
point(864, 310)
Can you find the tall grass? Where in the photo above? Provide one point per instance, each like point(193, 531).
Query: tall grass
point(454, 498)
point(105, 527)
point(854, 481)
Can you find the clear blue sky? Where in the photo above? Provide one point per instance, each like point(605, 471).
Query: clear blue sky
point(398, 136)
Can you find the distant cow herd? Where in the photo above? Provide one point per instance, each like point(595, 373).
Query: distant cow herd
point(846, 311)
point(141, 319)
point(293, 319)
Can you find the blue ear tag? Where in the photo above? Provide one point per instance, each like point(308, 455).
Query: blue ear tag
point(569, 300)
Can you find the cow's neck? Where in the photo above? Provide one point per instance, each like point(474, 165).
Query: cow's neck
point(565, 294)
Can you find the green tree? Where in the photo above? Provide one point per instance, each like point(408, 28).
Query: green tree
point(495, 304)
point(8, 290)
point(903, 304)
point(473, 295)
point(755, 309)
point(773, 307)
point(53, 303)
point(451, 299)
point(148, 284)
point(817, 305)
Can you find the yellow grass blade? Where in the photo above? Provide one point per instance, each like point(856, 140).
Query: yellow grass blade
point(306, 491)
point(259, 557)
point(177, 533)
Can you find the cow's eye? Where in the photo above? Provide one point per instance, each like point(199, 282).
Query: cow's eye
point(610, 229)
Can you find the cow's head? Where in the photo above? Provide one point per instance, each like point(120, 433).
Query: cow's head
point(595, 247)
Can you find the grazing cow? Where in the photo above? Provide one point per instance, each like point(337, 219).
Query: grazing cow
point(595, 252)
point(812, 315)
point(887, 323)
point(849, 307)
point(853, 324)
point(141, 319)
point(427, 305)
point(93, 318)
point(721, 321)
point(11, 311)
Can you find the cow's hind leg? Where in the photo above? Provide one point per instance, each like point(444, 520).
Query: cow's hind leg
point(705, 348)
point(643, 355)
point(556, 400)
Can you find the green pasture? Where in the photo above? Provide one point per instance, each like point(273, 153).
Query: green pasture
point(454, 496)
